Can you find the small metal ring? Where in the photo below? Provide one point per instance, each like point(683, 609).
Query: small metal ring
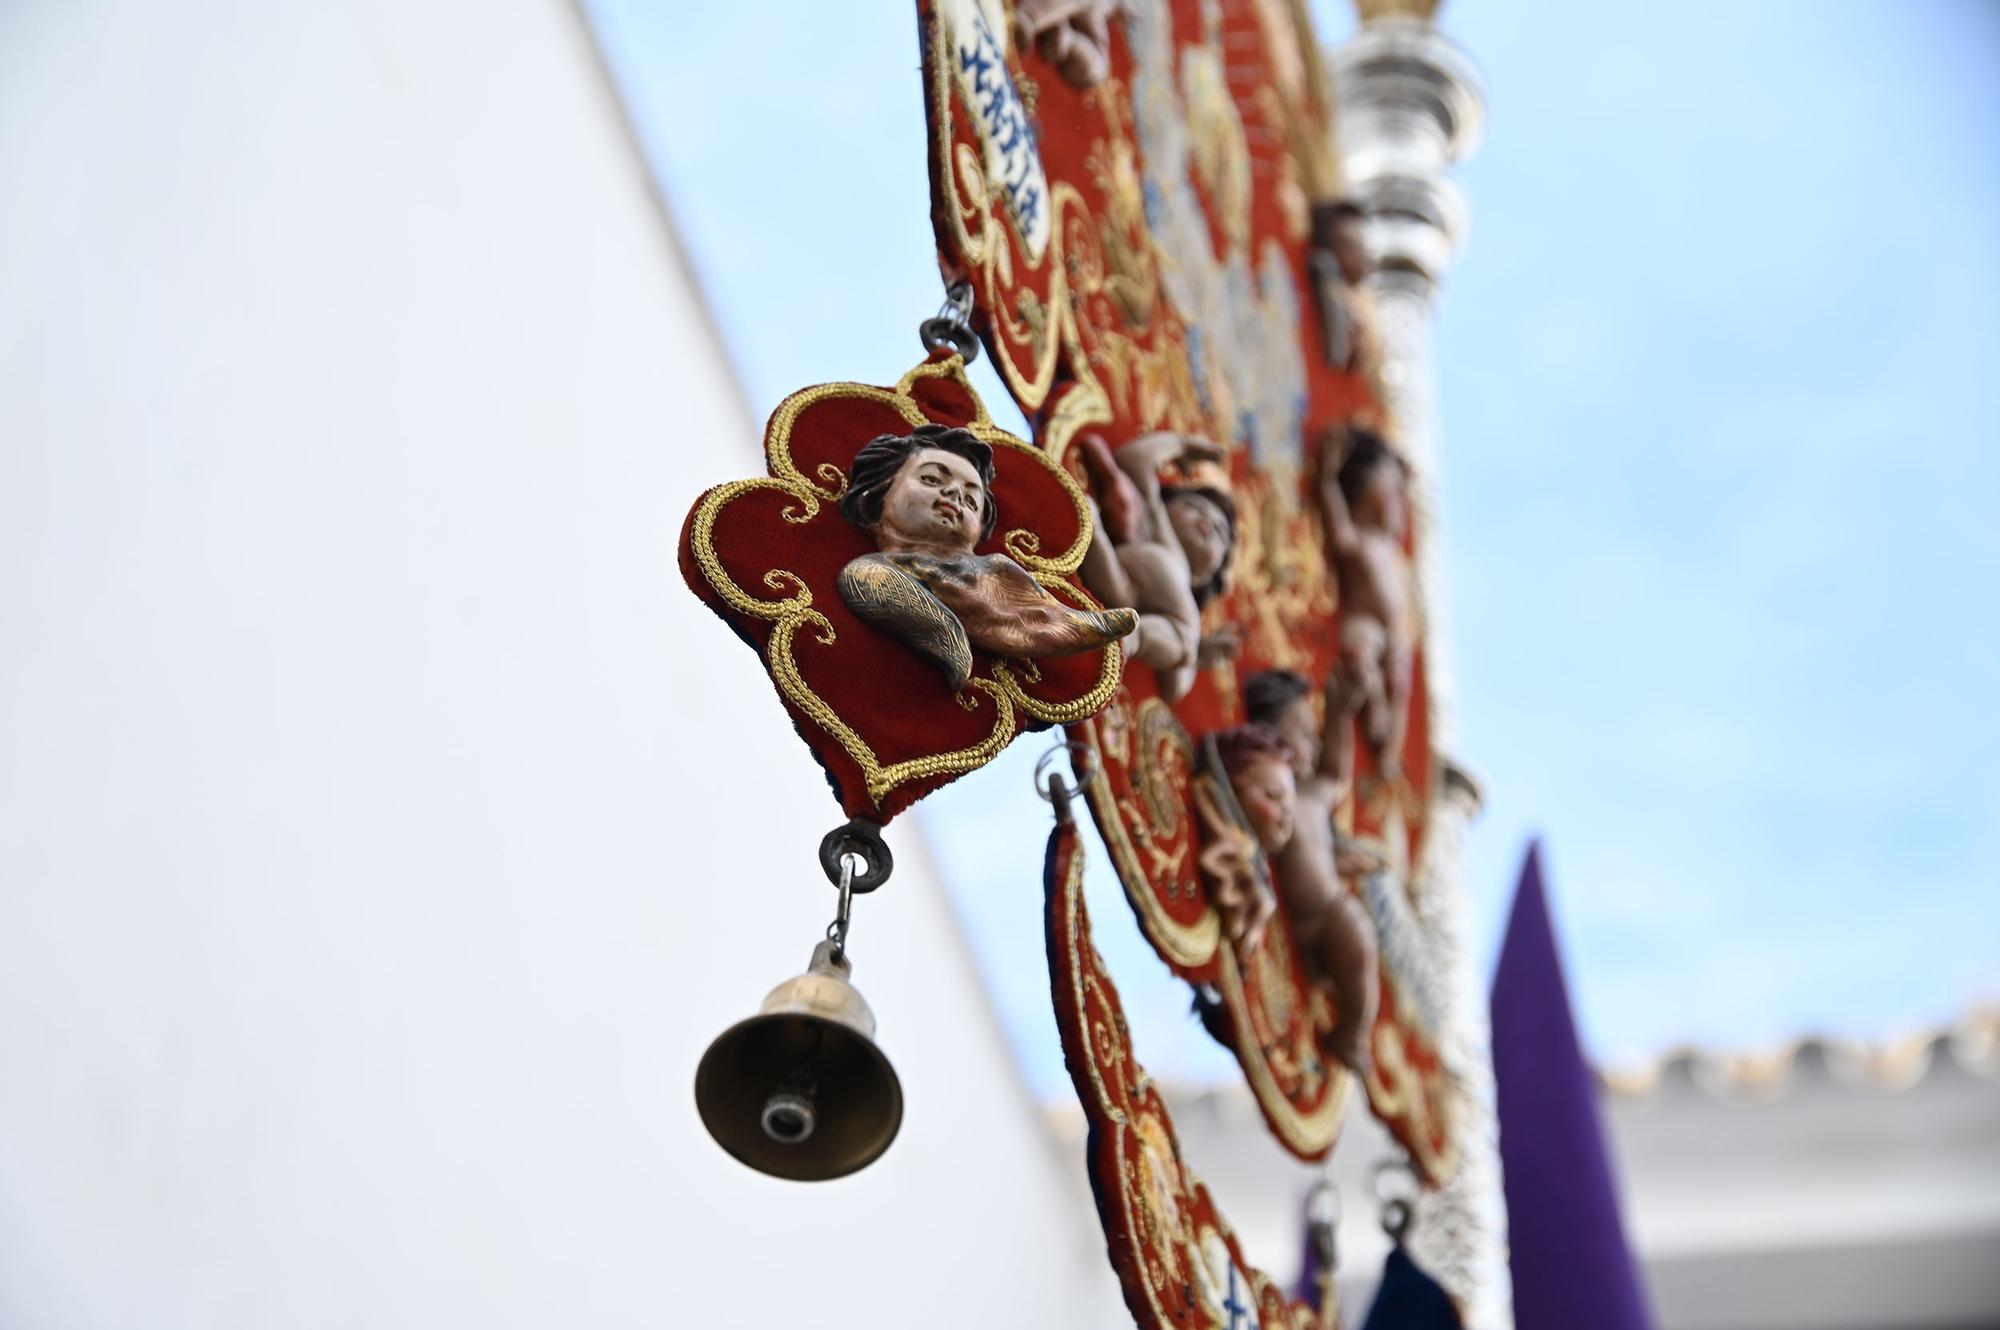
point(938, 333)
point(1085, 767)
point(862, 839)
point(1323, 1212)
point(1398, 1211)
point(952, 325)
point(1397, 1215)
point(1387, 1168)
point(1323, 1205)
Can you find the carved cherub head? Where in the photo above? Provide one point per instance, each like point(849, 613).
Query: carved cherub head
point(1283, 701)
point(929, 491)
point(1204, 521)
point(1336, 228)
point(1258, 762)
point(1373, 480)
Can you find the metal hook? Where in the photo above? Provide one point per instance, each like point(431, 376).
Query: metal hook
point(1397, 1217)
point(952, 325)
point(1323, 1211)
point(840, 850)
point(1399, 1212)
point(836, 932)
point(1050, 784)
point(1084, 768)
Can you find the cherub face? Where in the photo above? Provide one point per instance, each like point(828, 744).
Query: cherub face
point(1383, 504)
point(1203, 532)
point(936, 500)
point(1299, 728)
point(1269, 795)
point(1349, 252)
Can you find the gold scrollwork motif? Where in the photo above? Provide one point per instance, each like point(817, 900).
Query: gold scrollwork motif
point(1166, 756)
point(1183, 944)
point(1309, 1134)
point(984, 235)
point(1396, 1090)
point(792, 611)
point(1081, 407)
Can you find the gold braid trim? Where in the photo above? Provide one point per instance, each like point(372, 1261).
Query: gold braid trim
point(1083, 977)
point(1105, 1045)
point(793, 610)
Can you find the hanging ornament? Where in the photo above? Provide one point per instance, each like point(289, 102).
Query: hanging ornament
point(906, 574)
point(1407, 1298)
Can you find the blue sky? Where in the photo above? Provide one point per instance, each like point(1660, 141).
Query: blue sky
point(1721, 420)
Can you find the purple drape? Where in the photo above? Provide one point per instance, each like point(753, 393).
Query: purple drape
point(1570, 1263)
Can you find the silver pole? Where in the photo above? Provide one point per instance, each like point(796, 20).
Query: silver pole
point(1409, 105)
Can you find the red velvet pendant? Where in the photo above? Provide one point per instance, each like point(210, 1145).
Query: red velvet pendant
point(882, 717)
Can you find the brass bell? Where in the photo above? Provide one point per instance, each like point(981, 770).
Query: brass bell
point(800, 1090)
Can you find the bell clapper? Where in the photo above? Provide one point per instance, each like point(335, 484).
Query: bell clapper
point(788, 1118)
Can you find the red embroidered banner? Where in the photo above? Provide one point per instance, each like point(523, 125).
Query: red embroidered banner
point(1177, 1261)
point(1145, 203)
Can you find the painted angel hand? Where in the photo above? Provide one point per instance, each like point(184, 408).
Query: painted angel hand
point(1196, 449)
point(1218, 647)
point(1358, 856)
point(1072, 35)
point(1259, 909)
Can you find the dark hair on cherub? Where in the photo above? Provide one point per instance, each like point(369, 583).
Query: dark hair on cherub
point(876, 465)
point(1329, 218)
point(1366, 450)
point(1225, 505)
point(1242, 745)
point(1267, 693)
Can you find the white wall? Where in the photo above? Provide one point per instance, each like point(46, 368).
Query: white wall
point(384, 829)
point(1833, 1204)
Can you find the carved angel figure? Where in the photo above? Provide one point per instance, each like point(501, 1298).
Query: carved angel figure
point(1339, 264)
point(1364, 503)
point(927, 500)
point(1162, 548)
point(1335, 937)
point(1072, 35)
point(1252, 818)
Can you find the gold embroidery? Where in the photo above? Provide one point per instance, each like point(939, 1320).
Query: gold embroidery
point(1160, 1198)
point(1166, 755)
point(1184, 944)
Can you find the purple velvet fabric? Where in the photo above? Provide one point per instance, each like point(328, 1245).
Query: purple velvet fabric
point(1306, 1287)
point(1570, 1263)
